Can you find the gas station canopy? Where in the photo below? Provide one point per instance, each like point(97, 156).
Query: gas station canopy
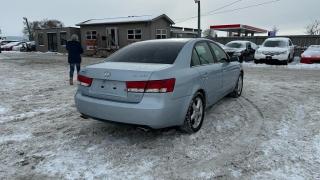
point(238, 29)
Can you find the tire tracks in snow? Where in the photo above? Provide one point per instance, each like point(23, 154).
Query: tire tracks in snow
point(242, 147)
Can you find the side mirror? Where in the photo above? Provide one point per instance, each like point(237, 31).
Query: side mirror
point(234, 59)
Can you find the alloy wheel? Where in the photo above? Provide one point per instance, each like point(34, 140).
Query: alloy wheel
point(197, 112)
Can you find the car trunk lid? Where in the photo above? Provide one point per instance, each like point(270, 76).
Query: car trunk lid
point(110, 78)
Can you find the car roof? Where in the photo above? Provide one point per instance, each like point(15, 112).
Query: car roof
point(182, 40)
point(239, 41)
point(177, 40)
point(16, 42)
point(278, 39)
point(314, 46)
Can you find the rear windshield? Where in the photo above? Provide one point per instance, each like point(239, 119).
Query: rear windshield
point(235, 45)
point(148, 52)
point(275, 44)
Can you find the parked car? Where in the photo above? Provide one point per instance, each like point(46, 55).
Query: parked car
point(311, 55)
point(159, 83)
point(9, 46)
point(221, 45)
point(275, 50)
point(243, 49)
point(4, 42)
point(20, 47)
point(31, 46)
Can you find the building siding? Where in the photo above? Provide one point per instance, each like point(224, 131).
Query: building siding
point(148, 32)
point(60, 48)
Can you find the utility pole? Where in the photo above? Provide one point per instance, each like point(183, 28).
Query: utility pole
point(29, 30)
point(199, 17)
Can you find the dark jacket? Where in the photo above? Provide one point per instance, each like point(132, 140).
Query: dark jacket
point(75, 50)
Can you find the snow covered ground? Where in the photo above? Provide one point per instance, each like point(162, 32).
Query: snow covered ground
point(271, 132)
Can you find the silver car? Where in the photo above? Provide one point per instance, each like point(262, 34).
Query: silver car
point(159, 83)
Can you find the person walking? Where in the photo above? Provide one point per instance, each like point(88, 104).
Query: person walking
point(74, 55)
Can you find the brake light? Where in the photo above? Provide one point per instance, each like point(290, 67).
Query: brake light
point(136, 86)
point(155, 86)
point(85, 81)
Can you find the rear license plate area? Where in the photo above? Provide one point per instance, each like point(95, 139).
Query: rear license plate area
point(111, 88)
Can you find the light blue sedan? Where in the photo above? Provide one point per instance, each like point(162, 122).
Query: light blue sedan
point(159, 83)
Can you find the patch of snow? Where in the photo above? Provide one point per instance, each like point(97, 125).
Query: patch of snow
point(288, 173)
point(204, 175)
point(49, 53)
point(12, 52)
point(290, 66)
point(283, 132)
point(3, 110)
point(73, 165)
point(316, 145)
point(122, 19)
point(236, 173)
point(31, 114)
point(15, 137)
point(300, 113)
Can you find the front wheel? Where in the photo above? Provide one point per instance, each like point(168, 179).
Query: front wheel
point(238, 89)
point(195, 115)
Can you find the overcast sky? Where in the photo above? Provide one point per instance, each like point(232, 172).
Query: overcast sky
point(290, 16)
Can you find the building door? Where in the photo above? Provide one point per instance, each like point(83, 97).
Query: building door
point(112, 38)
point(52, 42)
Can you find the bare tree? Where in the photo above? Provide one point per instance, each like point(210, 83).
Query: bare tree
point(51, 23)
point(43, 24)
point(314, 28)
point(275, 29)
point(209, 32)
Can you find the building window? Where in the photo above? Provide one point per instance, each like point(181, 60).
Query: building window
point(91, 35)
point(134, 34)
point(161, 34)
point(40, 39)
point(63, 38)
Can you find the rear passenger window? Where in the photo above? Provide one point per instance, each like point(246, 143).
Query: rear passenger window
point(204, 53)
point(220, 54)
point(195, 61)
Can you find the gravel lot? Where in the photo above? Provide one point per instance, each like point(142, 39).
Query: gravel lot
point(271, 132)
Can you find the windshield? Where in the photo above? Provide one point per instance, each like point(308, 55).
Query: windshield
point(148, 52)
point(275, 43)
point(235, 45)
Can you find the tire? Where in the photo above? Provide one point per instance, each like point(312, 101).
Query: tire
point(292, 59)
point(194, 117)
point(287, 61)
point(256, 61)
point(238, 89)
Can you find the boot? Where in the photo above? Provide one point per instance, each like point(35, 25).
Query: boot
point(71, 82)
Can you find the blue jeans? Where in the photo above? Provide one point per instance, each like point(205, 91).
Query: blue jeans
point(72, 69)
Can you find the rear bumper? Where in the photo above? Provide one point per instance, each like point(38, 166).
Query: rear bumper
point(310, 60)
point(155, 111)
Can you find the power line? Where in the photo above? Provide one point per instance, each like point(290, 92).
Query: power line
point(193, 17)
point(246, 7)
point(230, 4)
point(231, 10)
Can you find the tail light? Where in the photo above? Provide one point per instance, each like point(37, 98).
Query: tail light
point(85, 81)
point(155, 86)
